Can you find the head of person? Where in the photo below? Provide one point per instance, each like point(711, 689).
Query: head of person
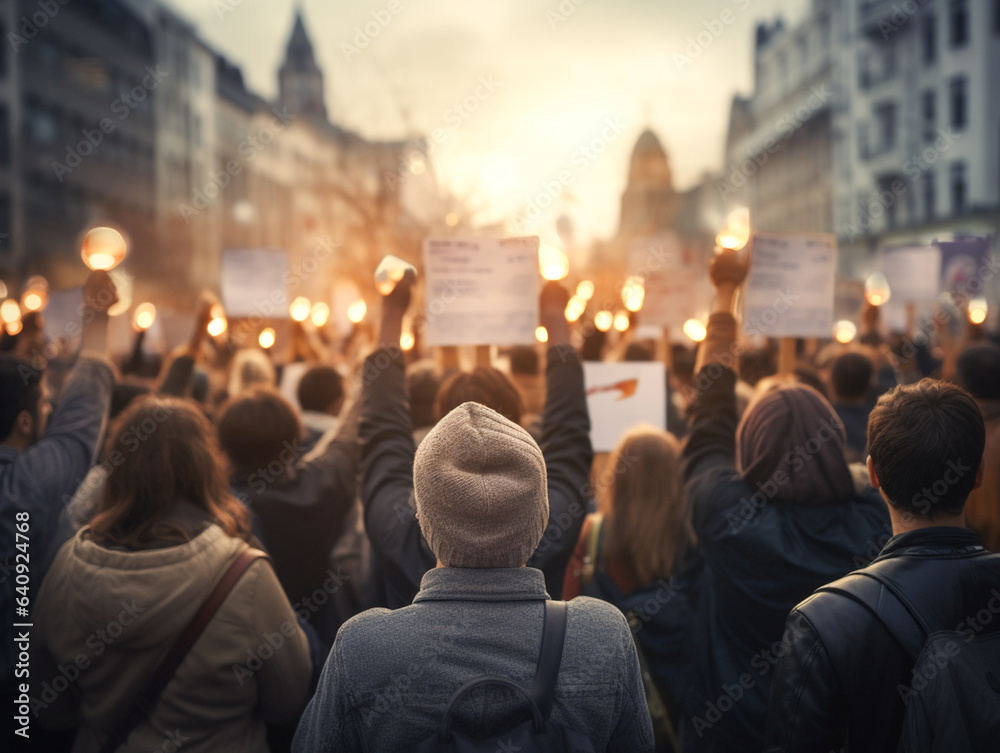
point(925, 445)
point(259, 431)
point(524, 360)
point(978, 371)
point(790, 447)
point(321, 389)
point(24, 403)
point(851, 377)
point(422, 385)
point(644, 503)
point(161, 452)
point(481, 490)
point(250, 368)
point(484, 385)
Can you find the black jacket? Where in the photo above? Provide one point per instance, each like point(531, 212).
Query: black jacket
point(761, 560)
point(838, 684)
point(387, 449)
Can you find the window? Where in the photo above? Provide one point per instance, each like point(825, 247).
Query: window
point(804, 50)
point(41, 125)
point(885, 125)
point(929, 115)
point(3, 52)
point(959, 189)
point(928, 38)
point(959, 90)
point(929, 196)
point(824, 30)
point(959, 22)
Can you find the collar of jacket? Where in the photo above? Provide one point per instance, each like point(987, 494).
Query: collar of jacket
point(485, 584)
point(934, 542)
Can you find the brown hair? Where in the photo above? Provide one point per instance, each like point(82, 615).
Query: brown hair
point(647, 526)
point(161, 451)
point(484, 385)
point(256, 427)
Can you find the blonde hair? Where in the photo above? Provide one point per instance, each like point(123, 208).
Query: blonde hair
point(644, 506)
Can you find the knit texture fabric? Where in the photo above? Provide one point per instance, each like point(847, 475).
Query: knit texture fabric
point(481, 490)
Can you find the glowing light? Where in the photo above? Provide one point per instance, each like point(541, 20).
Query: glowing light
point(621, 321)
point(877, 290)
point(451, 219)
point(300, 308)
point(267, 338)
point(978, 308)
point(14, 327)
point(34, 300)
point(541, 334)
point(553, 263)
point(407, 341)
point(10, 311)
point(145, 315)
point(695, 330)
point(498, 175)
point(217, 326)
point(575, 308)
point(585, 290)
point(603, 320)
point(320, 314)
point(103, 248)
point(844, 331)
point(357, 310)
point(3, 289)
point(390, 270)
point(633, 293)
point(735, 233)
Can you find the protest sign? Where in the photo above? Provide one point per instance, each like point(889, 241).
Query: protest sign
point(913, 273)
point(481, 291)
point(790, 288)
point(622, 395)
point(253, 282)
point(62, 317)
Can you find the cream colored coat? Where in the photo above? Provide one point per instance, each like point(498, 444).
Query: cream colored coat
point(106, 618)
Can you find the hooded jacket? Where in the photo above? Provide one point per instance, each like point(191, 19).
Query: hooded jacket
point(105, 618)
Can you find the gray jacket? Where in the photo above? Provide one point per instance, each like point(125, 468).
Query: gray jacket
point(390, 674)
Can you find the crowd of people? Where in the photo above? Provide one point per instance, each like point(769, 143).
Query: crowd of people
point(408, 553)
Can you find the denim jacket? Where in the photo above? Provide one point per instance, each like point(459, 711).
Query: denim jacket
point(391, 674)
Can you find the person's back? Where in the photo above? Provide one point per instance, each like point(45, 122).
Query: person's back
point(851, 380)
point(846, 675)
point(479, 482)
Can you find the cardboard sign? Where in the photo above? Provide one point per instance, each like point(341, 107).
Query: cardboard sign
point(673, 278)
point(848, 297)
point(913, 273)
point(965, 266)
point(621, 396)
point(481, 291)
point(63, 323)
point(253, 282)
point(790, 288)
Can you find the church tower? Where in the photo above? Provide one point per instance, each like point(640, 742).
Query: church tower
point(300, 80)
point(649, 204)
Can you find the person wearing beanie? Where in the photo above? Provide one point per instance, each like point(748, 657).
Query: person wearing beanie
point(400, 553)
point(480, 485)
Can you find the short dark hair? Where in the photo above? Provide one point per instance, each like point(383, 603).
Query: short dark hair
point(319, 387)
point(20, 389)
point(256, 427)
point(926, 442)
point(978, 371)
point(484, 385)
point(422, 385)
point(852, 376)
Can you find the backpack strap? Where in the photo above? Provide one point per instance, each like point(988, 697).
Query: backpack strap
point(884, 600)
point(147, 699)
point(543, 689)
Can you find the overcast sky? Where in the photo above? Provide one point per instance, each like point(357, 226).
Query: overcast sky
point(558, 79)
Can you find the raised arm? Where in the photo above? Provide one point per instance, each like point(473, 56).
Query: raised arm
point(565, 443)
point(387, 451)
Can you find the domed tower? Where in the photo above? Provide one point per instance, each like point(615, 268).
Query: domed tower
point(649, 204)
point(300, 80)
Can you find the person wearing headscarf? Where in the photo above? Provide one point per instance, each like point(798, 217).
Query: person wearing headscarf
point(776, 515)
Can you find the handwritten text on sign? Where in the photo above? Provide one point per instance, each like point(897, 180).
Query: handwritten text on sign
point(481, 291)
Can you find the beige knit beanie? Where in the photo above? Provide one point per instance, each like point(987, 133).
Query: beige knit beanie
point(481, 490)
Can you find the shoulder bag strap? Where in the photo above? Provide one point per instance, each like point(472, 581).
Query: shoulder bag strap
point(146, 701)
point(543, 689)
